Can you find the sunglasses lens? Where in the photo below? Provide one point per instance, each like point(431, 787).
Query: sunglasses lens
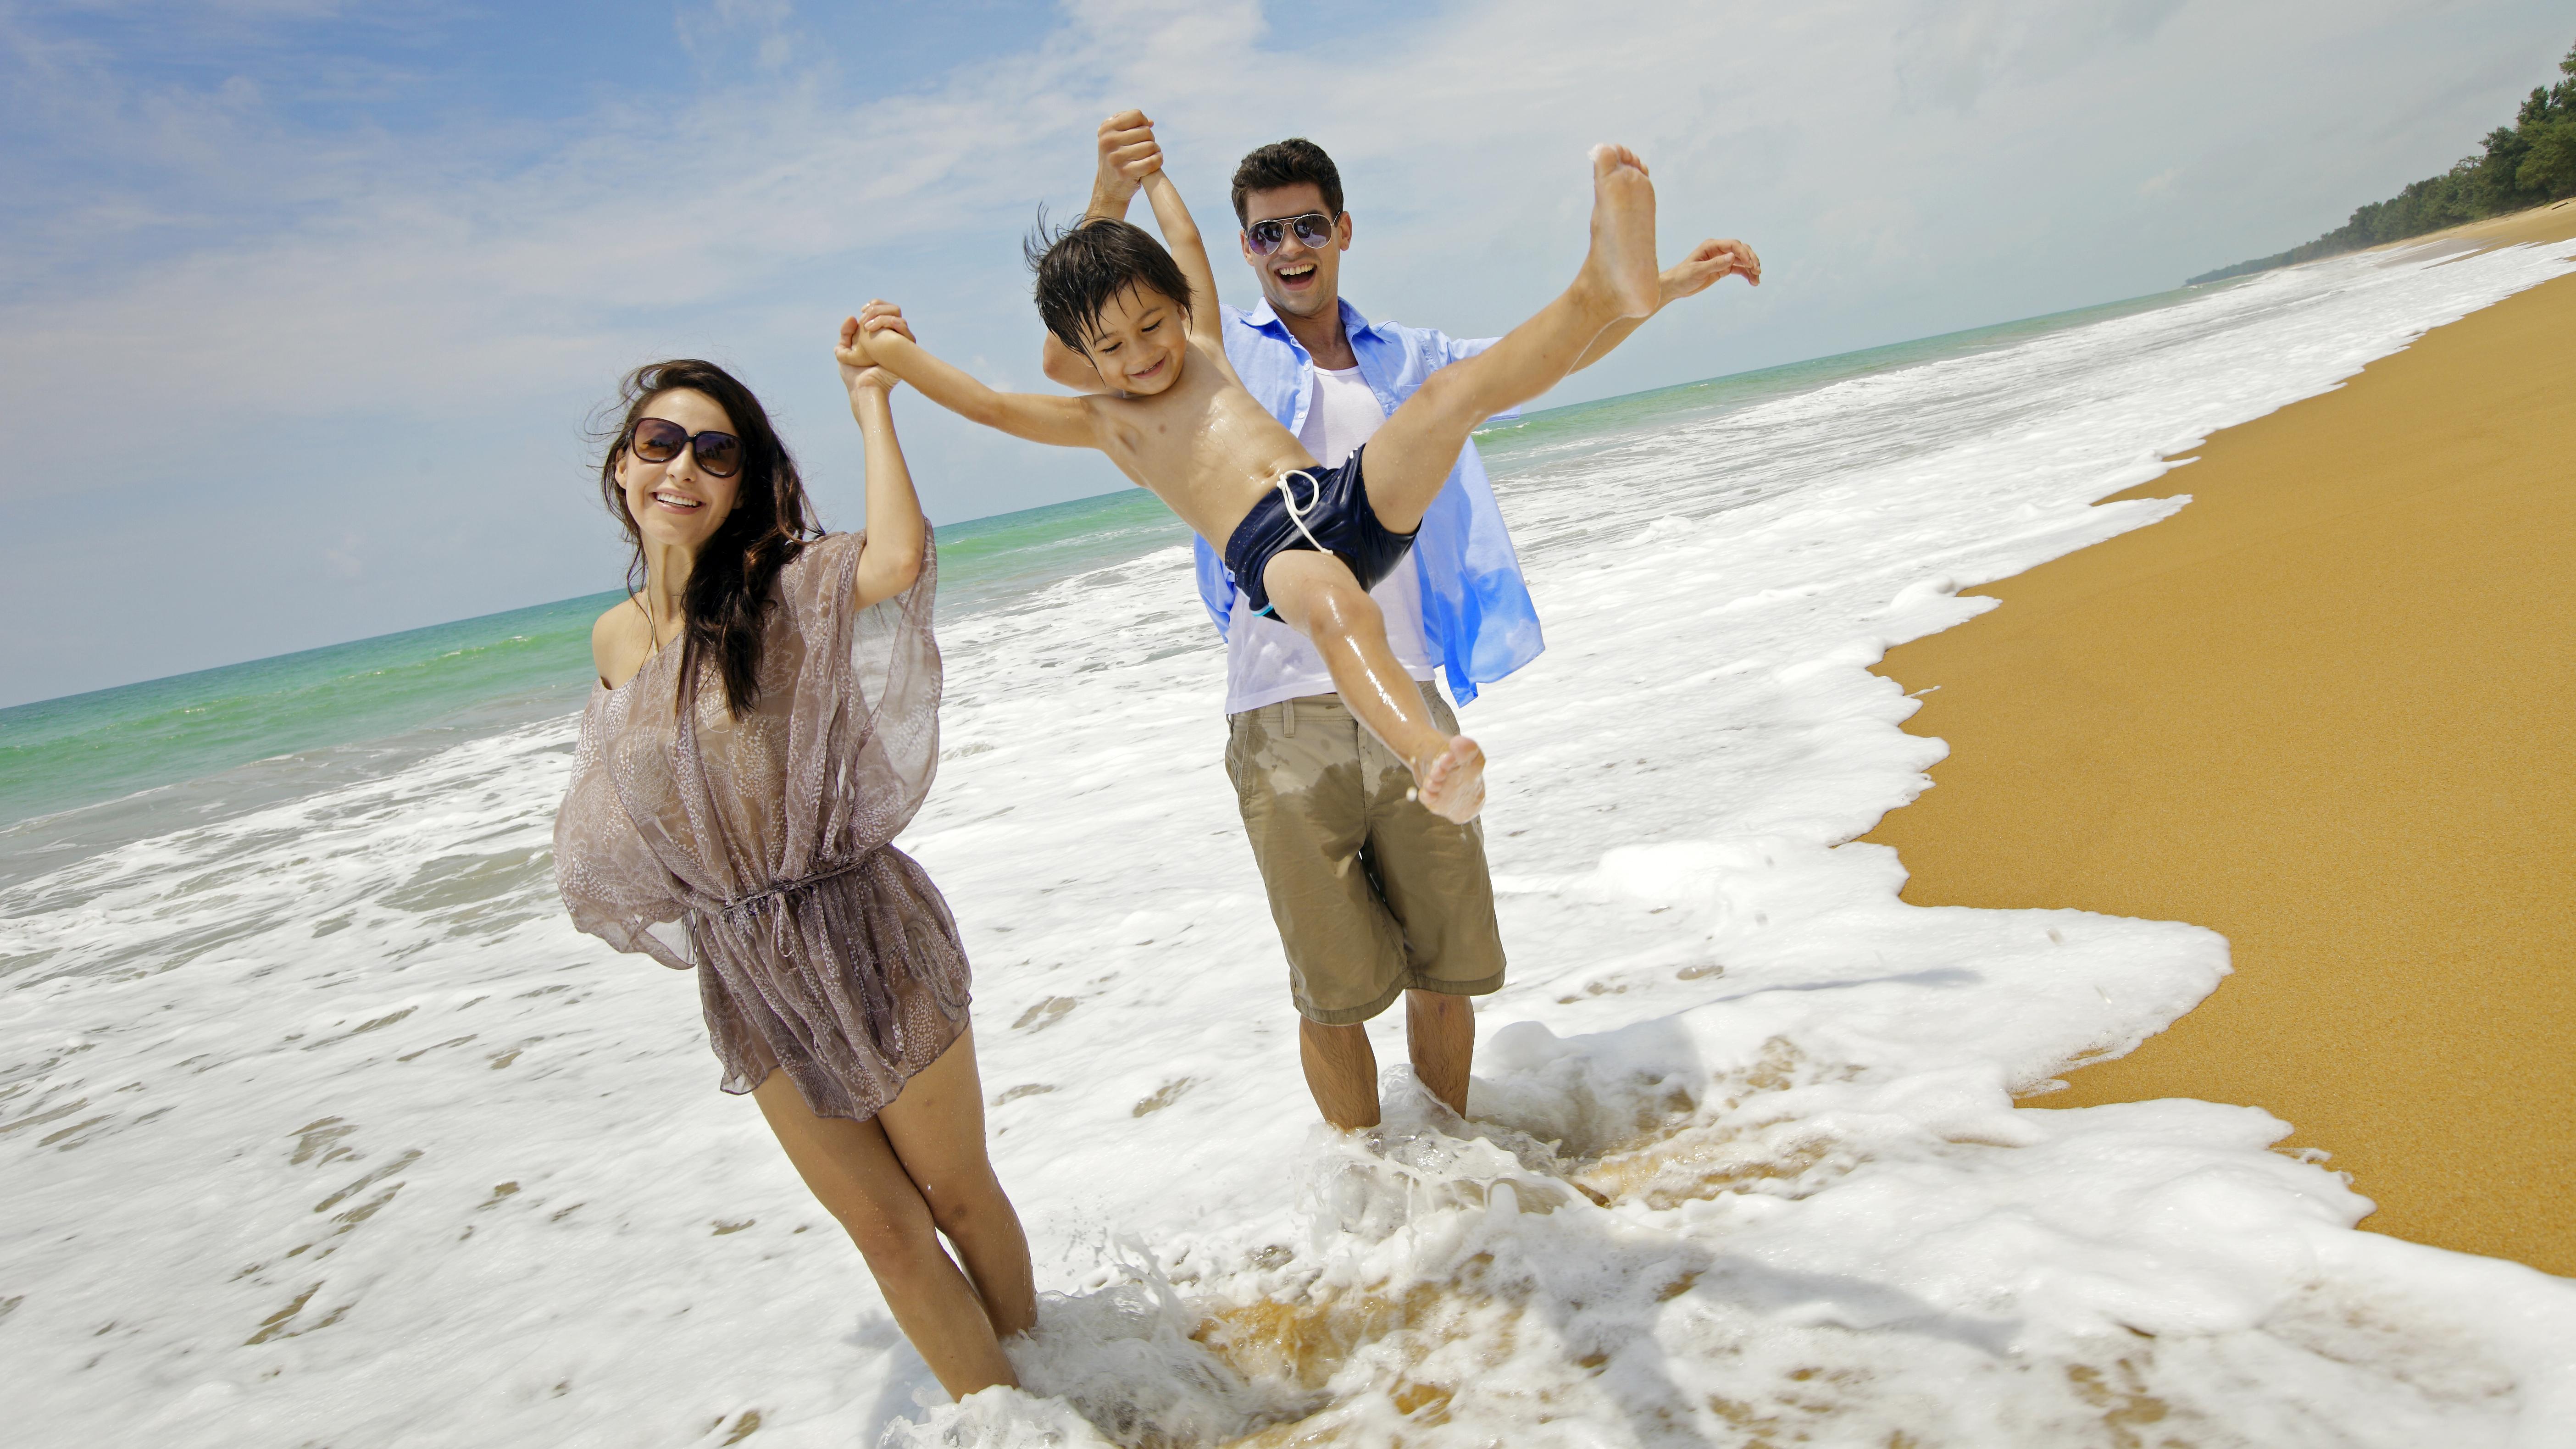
point(1265, 237)
point(720, 454)
point(658, 441)
point(1314, 231)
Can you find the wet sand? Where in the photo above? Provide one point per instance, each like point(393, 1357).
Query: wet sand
point(2324, 710)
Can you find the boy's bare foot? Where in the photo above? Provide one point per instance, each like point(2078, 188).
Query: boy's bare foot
point(1451, 784)
point(1622, 262)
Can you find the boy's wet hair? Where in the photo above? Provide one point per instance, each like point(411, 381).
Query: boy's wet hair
point(1084, 267)
point(1285, 163)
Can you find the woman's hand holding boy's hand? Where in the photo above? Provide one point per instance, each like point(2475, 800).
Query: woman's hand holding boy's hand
point(859, 368)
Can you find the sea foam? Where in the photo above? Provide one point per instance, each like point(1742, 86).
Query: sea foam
point(322, 1126)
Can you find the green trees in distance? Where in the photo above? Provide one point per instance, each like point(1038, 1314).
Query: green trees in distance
point(2524, 164)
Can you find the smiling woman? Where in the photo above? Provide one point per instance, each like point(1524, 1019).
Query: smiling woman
point(747, 784)
point(674, 477)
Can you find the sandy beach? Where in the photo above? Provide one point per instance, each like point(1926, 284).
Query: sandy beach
point(2322, 710)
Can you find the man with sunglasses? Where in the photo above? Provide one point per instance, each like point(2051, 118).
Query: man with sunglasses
point(1373, 896)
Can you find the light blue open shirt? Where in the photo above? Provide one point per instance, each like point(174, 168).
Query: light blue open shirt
point(1476, 610)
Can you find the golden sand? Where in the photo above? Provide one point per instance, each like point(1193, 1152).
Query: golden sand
point(2324, 710)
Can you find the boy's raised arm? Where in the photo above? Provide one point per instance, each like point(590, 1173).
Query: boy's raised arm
point(1063, 422)
point(1181, 239)
point(1127, 155)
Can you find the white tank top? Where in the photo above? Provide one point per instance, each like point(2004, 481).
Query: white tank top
point(1265, 660)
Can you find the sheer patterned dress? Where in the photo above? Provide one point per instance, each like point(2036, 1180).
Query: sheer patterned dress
point(821, 950)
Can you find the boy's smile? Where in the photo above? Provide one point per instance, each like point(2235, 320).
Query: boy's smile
point(1138, 342)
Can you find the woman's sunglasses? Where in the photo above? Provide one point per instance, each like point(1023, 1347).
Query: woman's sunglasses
point(1313, 229)
point(659, 440)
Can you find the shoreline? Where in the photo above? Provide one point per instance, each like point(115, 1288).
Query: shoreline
point(2319, 710)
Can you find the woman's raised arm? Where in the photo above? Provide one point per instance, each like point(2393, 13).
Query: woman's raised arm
point(891, 558)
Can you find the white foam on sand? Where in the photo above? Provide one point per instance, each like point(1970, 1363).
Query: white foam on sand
point(320, 1125)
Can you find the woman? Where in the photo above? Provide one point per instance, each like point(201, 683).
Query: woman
point(766, 719)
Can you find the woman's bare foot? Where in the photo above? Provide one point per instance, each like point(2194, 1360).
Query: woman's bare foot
point(1622, 262)
point(1451, 784)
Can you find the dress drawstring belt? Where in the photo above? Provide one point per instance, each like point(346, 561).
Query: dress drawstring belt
point(740, 910)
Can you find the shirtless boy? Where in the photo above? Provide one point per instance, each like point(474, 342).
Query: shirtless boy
point(1303, 541)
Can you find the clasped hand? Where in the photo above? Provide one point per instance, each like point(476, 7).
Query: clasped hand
point(859, 368)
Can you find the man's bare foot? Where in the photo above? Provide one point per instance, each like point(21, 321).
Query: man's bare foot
point(1622, 262)
point(1451, 784)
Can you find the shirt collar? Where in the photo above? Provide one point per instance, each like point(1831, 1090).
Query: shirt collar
point(1265, 317)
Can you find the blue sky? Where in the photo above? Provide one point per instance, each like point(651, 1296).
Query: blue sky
point(305, 307)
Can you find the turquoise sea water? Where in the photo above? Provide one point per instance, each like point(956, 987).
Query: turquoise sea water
point(212, 742)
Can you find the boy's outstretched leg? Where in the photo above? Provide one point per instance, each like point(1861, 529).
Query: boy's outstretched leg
point(1410, 457)
point(1316, 595)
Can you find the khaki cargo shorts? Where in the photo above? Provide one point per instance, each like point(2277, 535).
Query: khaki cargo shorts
point(1374, 895)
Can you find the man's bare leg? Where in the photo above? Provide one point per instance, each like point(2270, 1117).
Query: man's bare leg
point(1410, 457)
point(1341, 1072)
point(1440, 1036)
point(1316, 594)
point(1341, 1067)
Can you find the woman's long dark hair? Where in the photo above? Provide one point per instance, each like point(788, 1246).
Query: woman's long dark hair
point(728, 596)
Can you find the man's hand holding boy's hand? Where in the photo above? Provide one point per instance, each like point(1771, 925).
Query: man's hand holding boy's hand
point(859, 367)
point(1128, 154)
point(1709, 262)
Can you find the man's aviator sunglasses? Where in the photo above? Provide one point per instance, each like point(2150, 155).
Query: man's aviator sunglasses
point(1313, 229)
point(659, 440)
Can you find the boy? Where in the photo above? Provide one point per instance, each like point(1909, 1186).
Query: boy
point(1304, 542)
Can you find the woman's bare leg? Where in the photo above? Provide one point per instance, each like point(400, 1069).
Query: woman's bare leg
point(1316, 595)
point(1410, 457)
point(937, 1129)
point(856, 1172)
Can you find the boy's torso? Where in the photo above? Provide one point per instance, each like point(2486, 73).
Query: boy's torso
point(1265, 660)
point(1203, 445)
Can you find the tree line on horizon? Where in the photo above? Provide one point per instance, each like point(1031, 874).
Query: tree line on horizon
point(2522, 165)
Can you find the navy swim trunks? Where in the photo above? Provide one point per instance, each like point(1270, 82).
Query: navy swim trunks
point(1333, 504)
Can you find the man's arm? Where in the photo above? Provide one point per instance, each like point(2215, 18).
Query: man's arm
point(1694, 274)
point(1067, 368)
point(1181, 239)
point(1063, 422)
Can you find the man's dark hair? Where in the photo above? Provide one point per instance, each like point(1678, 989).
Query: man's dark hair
point(1082, 268)
point(1285, 163)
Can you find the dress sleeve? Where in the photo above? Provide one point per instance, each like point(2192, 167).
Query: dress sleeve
point(610, 882)
point(863, 740)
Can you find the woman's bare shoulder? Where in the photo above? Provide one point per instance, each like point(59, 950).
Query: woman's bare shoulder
point(620, 642)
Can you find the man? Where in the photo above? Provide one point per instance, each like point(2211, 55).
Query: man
point(1373, 895)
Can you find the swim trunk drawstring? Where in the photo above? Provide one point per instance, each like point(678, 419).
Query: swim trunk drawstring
point(1297, 516)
